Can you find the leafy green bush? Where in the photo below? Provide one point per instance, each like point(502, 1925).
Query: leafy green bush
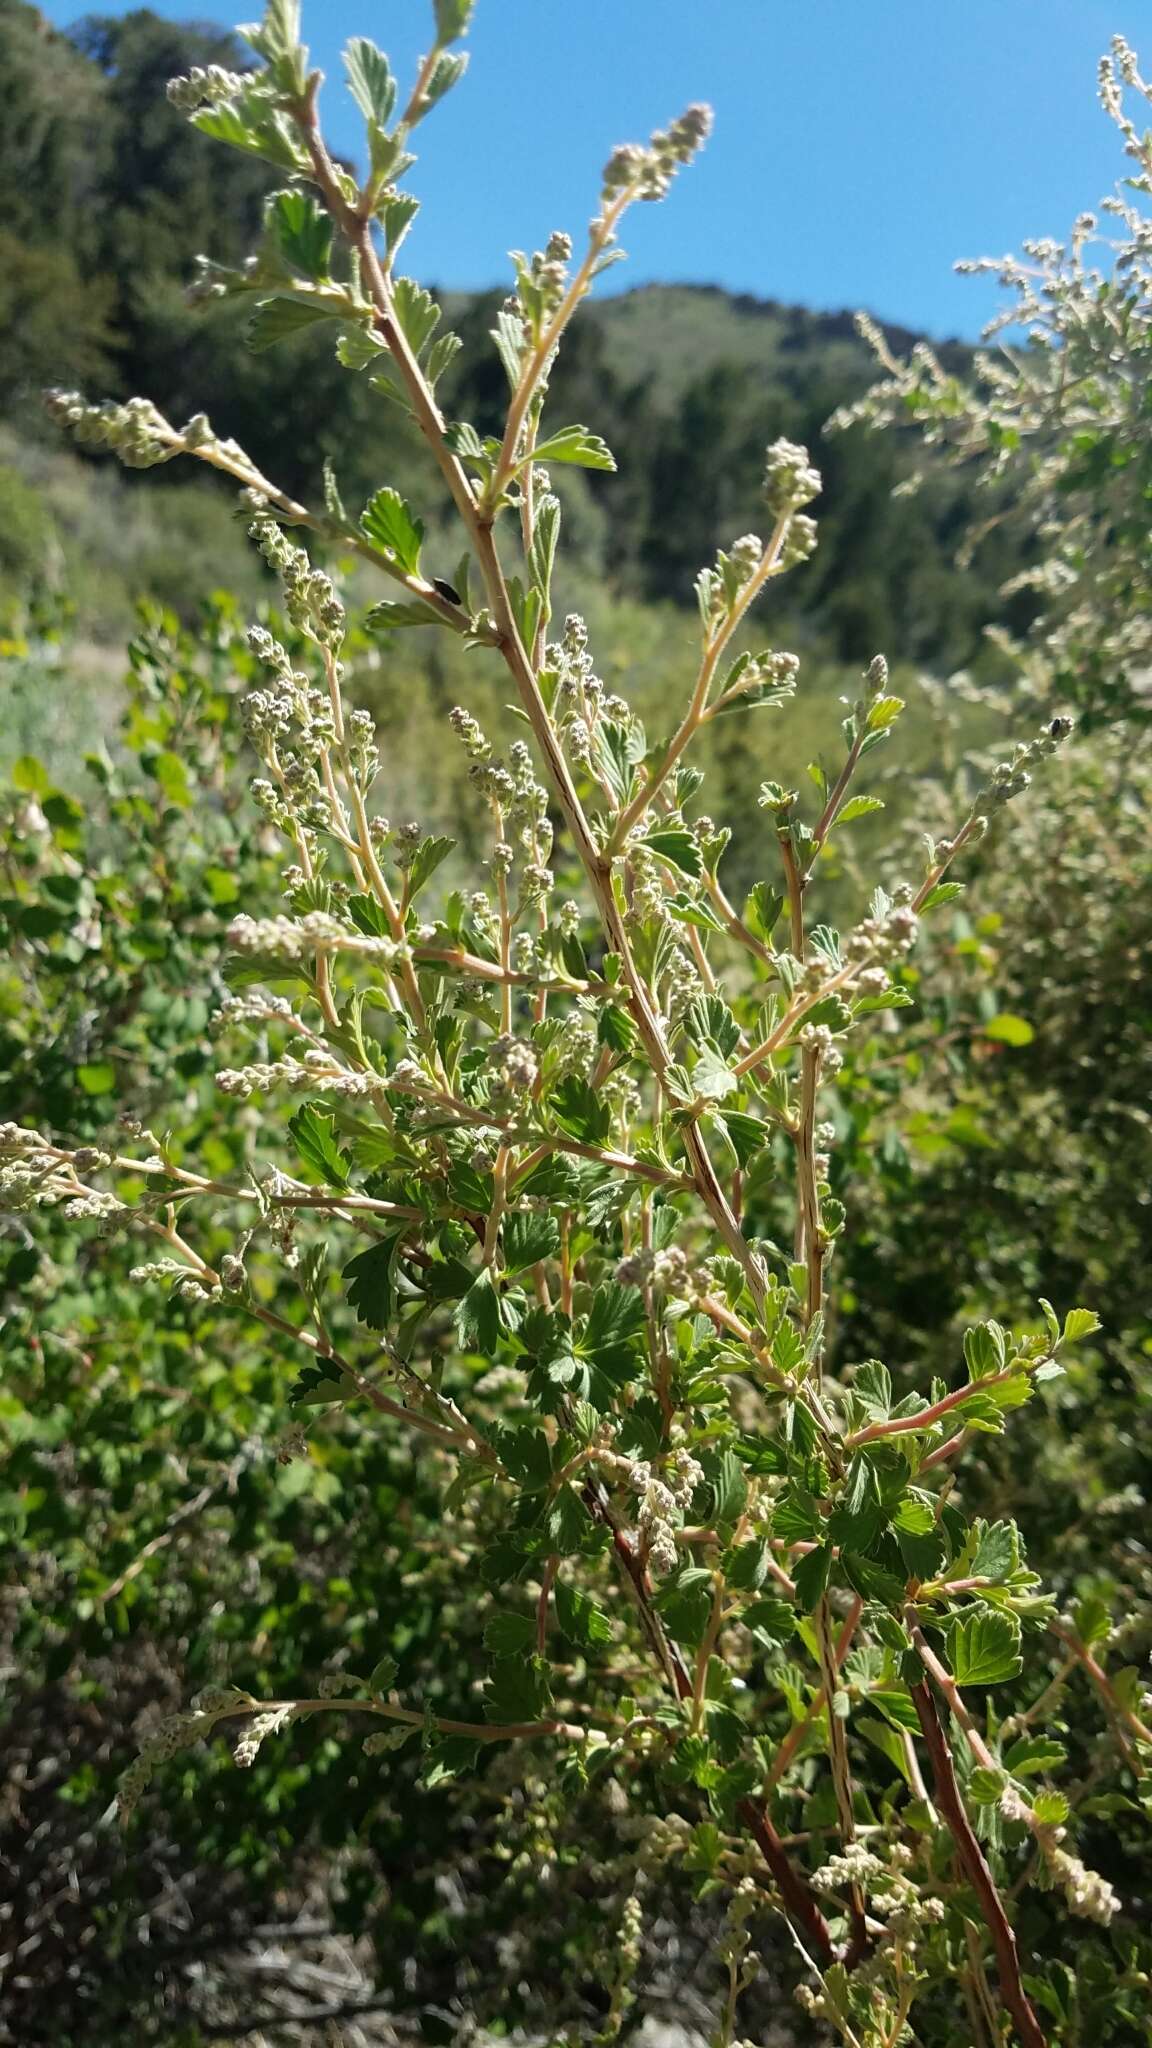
point(1053, 428)
point(699, 1608)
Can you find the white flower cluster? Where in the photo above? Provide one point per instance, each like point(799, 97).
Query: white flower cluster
point(669, 1272)
point(386, 1739)
point(187, 1285)
point(1087, 1893)
point(254, 1006)
point(664, 1497)
point(647, 172)
point(295, 938)
point(103, 1207)
point(178, 1732)
point(261, 1725)
point(317, 1069)
point(790, 479)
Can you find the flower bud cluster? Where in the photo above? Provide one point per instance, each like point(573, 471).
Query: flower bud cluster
point(574, 1049)
point(668, 1271)
point(289, 938)
point(579, 697)
point(542, 281)
point(664, 1496)
point(177, 1732)
point(309, 595)
point(1010, 777)
point(885, 938)
point(318, 1069)
point(254, 1006)
point(790, 478)
point(646, 173)
point(681, 985)
point(765, 673)
point(386, 1739)
point(512, 1067)
point(664, 1836)
point(136, 432)
point(255, 1732)
point(204, 83)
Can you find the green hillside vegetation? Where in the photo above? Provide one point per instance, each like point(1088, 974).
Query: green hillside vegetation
point(108, 201)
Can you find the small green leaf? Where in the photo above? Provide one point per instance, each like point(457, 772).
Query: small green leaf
point(711, 1075)
point(615, 1029)
point(517, 1689)
point(580, 1618)
point(726, 1476)
point(810, 1575)
point(1007, 1029)
point(390, 524)
point(370, 1283)
point(680, 850)
point(452, 18)
point(986, 1785)
point(996, 1551)
point(1079, 1322)
point(242, 128)
point(30, 775)
point(944, 892)
point(417, 313)
point(510, 1635)
point(542, 555)
point(772, 1619)
point(303, 231)
point(281, 319)
point(746, 1134)
point(392, 613)
point(316, 1387)
point(369, 916)
point(984, 1647)
point(527, 1238)
point(577, 445)
point(429, 856)
point(985, 1350)
point(685, 1602)
point(97, 1078)
point(1034, 1754)
point(1093, 1620)
point(477, 1316)
point(172, 775)
point(313, 1132)
point(859, 807)
point(883, 713)
point(441, 355)
point(581, 1111)
point(370, 80)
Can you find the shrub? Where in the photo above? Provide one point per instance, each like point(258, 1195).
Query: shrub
point(557, 1199)
point(1052, 426)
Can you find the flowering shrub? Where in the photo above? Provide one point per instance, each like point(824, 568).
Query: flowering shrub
point(556, 1194)
point(1053, 424)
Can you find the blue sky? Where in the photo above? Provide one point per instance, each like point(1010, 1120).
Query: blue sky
point(860, 148)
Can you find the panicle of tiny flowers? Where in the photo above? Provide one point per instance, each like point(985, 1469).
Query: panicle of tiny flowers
point(295, 938)
point(309, 595)
point(790, 478)
point(638, 172)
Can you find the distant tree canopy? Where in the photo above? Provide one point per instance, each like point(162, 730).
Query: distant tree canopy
point(109, 197)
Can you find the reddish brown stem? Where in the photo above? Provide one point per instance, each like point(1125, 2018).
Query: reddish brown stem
point(799, 1903)
point(976, 1870)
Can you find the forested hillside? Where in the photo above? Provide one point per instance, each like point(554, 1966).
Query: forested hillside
point(109, 199)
